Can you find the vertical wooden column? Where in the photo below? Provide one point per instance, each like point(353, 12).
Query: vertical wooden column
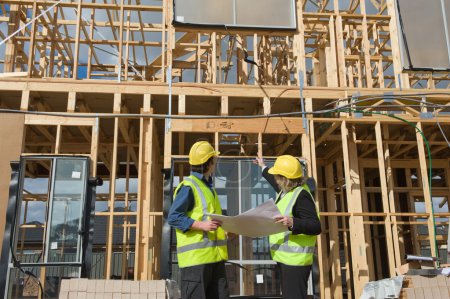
point(367, 232)
point(11, 45)
point(334, 290)
point(94, 146)
point(385, 200)
point(90, 49)
point(77, 41)
point(340, 47)
point(331, 56)
point(299, 45)
point(366, 46)
point(120, 52)
point(71, 101)
point(144, 191)
point(426, 189)
point(356, 225)
point(214, 57)
point(32, 42)
point(25, 100)
point(112, 188)
point(391, 196)
point(412, 208)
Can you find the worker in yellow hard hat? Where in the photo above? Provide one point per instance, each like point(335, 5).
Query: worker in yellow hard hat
point(201, 243)
point(293, 250)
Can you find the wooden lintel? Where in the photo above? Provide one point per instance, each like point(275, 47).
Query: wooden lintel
point(269, 126)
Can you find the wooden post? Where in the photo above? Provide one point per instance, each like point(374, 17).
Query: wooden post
point(333, 226)
point(384, 195)
point(32, 42)
point(426, 190)
point(112, 188)
point(352, 185)
point(77, 41)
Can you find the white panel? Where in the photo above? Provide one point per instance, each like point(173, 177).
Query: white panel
point(424, 30)
point(276, 14)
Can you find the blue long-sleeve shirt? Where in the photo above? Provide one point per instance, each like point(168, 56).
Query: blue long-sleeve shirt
point(184, 202)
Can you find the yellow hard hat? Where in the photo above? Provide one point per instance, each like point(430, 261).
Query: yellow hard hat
point(287, 166)
point(200, 152)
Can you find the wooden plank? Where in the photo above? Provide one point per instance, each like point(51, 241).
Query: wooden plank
point(30, 63)
point(181, 104)
point(71, 101)
point(368, 233)
point(77, 40)
point(277, 125)
point(366, 46)
point(334, 256)
point(25, 100)
point(392, 202)
point(112, 188)
point(48, 120)
point(94, 146)
point(385, 200)
point(357, 239)
point(11, 125)
point(330, 52)
point(223, 105)
point(426, 189)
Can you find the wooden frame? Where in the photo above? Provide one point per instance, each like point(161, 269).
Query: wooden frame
point(337, 54)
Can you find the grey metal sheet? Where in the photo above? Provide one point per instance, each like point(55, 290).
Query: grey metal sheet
point(237, 13)
point(265, 13)
point(204, 12)
point(423, 25)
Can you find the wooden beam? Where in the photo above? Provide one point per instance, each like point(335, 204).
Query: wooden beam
point(385, 200)
point(426, 190)
point(357, 239)
point(270, 126)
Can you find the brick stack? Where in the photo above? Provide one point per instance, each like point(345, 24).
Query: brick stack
point(422, 287)
point(112, 289)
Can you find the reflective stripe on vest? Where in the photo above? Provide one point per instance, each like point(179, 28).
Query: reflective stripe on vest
point(196, 247)
point(287, 248)
point(201, 245)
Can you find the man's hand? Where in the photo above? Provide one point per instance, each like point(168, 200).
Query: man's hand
point(259, 161)
point(207, 225)
point(285, 220)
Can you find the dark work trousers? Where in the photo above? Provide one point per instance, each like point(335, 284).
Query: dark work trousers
point(294, 281)
point(206, 281)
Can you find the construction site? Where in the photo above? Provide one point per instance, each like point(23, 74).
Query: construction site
point(100, 102)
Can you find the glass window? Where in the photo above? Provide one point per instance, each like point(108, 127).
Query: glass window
point(66, 211)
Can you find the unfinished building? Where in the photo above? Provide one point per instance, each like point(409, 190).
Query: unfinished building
point(131, 85)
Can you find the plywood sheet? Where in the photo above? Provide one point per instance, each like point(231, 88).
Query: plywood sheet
point(11, 136)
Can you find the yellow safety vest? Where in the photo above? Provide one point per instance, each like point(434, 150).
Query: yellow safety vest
point(289, 249)
point(197, 247)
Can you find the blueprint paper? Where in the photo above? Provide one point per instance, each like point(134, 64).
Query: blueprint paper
point(257, 222)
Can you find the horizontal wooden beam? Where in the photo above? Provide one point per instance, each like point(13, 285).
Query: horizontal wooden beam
point(48, 120)
point(285, 125)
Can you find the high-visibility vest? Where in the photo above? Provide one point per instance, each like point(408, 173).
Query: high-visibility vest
point(289, 249)
point(196, 247)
